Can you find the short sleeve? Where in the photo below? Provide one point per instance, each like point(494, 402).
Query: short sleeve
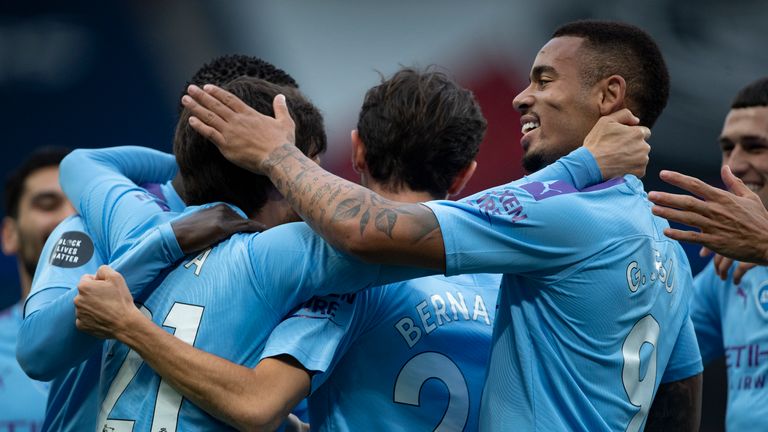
point(539, 228)
point(705, 313)
point(685, 360)
point(292, 263)
point(319, 333)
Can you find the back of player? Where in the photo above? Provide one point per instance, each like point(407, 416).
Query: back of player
point(406, 356)
point(594, 317)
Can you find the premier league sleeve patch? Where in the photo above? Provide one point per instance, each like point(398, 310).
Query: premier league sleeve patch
point(72, 249)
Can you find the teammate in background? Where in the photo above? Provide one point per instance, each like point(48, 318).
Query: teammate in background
point(730, 316)
point(50, 347)
point(593, 293)
point(34, 205)
point(245, 397)
point(733, 224)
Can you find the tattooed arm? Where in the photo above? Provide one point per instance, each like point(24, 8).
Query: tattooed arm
point(677, 406)
point(349, 216)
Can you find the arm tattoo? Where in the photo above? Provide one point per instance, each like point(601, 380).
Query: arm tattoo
point(312, 191)
point(677, 406)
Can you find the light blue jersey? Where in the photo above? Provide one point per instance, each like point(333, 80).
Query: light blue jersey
point(732, 321)
point(593, 308)
point(50, 346)
point(226, 300)
point(405, 356)
point(22, 400)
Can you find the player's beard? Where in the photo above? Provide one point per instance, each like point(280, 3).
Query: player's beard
point(30, 248)
point(534, 161)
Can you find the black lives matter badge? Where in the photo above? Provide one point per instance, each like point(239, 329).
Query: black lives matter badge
point(73, 249)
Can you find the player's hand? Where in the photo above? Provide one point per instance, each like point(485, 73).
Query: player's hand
point(243, 135)
point(733, 224)
point(103, 305)
point(619, 145)
point(210, 225)
point(723, 265)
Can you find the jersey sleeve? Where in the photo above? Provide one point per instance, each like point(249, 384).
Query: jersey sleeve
point(578, 168)
point(319, 333)
point(536, 228)
point(49, 343)
point(102, 186)
point(705, 313)
point(291, 263)
point(685, 360)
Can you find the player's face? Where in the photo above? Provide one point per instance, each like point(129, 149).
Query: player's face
point(744, 143)
point(41, 207)
point(556, 108)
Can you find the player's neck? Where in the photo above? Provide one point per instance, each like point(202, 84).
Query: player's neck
point(26, 281)
point(401, 195)
point(275, 212)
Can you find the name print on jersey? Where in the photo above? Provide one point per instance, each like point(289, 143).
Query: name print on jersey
point(72, 249)
point(444, 310)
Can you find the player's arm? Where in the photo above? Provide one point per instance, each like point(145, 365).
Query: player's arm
point(248, 399)
point(347, 215)
point(102, 186)
point(733, 224)
point(677, 406)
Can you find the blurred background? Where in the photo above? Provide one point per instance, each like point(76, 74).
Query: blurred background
point(97, 74)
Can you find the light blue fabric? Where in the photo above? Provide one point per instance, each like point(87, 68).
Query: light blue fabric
point(588, 278)
point(732, 321)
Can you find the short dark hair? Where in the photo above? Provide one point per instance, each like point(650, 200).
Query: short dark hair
point(43, 157)
point(208, 176)
point(625, 50)
point(224, 69)
point(754, 94)
point(420, 129)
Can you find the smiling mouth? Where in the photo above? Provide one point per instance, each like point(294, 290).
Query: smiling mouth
point(754, 187)
point(529, 126)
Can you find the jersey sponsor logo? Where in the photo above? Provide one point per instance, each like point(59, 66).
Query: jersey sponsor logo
point(502, 202)
point(761, 299)
point(548, 189)
point(72, 249)
point(333, 307)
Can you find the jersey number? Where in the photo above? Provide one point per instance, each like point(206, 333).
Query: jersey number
point(185, 320)
point(638, 388)
point(432, 365)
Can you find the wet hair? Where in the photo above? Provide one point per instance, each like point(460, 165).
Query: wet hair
point(14, 184)
point(616, 48)
point(420, 129)
point(209, 177)
point(754, 94)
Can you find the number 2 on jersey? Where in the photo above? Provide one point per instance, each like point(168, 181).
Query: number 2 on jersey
point(185, 320)
point(432, 365)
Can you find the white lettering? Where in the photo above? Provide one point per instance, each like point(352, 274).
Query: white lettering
point(480, 310)
point(424, 315)
point(409, 331)
point(198, 261)
point(439, 304)
point(457, 306)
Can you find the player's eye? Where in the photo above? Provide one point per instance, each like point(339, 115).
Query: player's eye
point(47, 201)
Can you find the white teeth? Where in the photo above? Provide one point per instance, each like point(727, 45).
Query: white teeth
point(529, 126)
point(753, 187)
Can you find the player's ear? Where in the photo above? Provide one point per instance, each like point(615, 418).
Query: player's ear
point(10, 236)
point(613, 91)
point(358, 153)
point(462, 178)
